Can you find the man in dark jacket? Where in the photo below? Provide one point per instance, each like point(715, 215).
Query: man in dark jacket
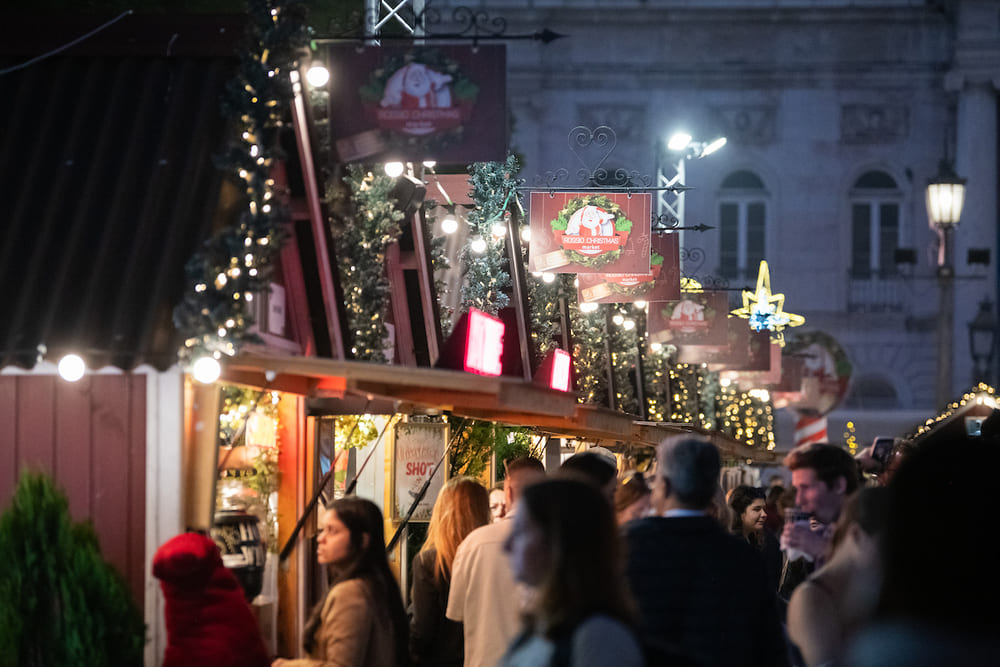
point(700, 591)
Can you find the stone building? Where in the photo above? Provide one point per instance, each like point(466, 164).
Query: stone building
point(836, 113)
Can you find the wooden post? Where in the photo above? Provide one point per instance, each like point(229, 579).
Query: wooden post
point(200, 455)
point(520, 293)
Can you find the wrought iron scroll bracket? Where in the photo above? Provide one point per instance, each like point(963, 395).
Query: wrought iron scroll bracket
point(592, 147)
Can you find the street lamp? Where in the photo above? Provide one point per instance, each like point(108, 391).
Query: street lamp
point(945, 197)
point(982, 342)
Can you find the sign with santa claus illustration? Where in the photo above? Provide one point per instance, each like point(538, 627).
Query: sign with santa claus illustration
point(443, 103)
point(577, 232)
point(698, 318)
point(662, 283)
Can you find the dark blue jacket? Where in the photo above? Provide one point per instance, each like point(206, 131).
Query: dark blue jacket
point(703, 591)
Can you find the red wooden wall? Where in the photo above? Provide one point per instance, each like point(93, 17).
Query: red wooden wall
point(91, 436)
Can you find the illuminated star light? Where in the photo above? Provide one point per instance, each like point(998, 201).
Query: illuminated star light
point(763, 310)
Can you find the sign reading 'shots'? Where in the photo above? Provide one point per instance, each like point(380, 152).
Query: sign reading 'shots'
point(579, 232)
point(443, 103)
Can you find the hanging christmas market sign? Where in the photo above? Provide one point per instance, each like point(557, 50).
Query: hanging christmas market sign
point(698, 318)
point(662, 283)
point(443, 103)
point(578, 232)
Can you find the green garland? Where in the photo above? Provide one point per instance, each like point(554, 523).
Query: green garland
point(494, 190)
point(217, 311)
point(371, 224)
point(589, 356)
point(543, 304)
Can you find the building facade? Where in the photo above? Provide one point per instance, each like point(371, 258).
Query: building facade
point(836, 113)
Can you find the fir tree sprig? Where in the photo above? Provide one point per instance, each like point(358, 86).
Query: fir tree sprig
point(495, 188)
point(372, 223)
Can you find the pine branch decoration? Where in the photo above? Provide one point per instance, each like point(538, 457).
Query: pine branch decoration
point(217, 312)
point(494, 189)
point(362, 240)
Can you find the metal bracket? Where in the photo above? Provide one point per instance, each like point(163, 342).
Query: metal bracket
point(592, 148)
point(473, 25)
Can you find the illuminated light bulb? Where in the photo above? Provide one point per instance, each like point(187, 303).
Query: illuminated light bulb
point(220, 281)
point(200, 287)
point(499, 230)
point(548, 277)
point(655, 347)
point(618, 319)
point(430, 164)
point(629, 325)
point(394, 169)
point(206, 370)
point(222, 332)
point(249, 296)
point(526, 234)
point(478, 246)
point(317, 75)
point(449, 225)
point(254, 150)
point(640, 304)
point(588, 307)
point(71, 367)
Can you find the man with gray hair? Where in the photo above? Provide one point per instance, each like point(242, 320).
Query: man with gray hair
point(702, 593)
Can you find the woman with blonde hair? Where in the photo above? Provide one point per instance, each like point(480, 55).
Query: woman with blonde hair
point(462, 506)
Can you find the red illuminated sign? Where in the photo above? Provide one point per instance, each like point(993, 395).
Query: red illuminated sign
point(561, 362)
point(484, 344)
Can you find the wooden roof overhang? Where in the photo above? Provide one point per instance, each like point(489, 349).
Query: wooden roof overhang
point(347, 387)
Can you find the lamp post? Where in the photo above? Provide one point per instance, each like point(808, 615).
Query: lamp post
point(982, 342)
point(945, 197)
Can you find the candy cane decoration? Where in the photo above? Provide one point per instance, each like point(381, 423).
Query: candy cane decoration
point(809, 430)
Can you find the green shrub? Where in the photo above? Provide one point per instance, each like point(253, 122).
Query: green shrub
point(61, 603)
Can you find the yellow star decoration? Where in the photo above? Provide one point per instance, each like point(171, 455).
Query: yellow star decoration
point(764, 309)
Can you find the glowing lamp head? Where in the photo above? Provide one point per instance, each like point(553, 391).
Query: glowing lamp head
point(206, 370)
point(394, 169)
point(679, 141)
point(71, 367)
point(449, 225)
point(317, 75)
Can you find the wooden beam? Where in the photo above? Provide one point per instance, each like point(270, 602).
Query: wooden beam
point(428, 296)
point(316, 219)
point(405, 353)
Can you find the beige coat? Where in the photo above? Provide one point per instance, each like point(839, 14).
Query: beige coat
point(354, 631)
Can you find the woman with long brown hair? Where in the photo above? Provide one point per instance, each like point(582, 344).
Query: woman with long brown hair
point(565, 545)
point(462, 506)
point(361, 621)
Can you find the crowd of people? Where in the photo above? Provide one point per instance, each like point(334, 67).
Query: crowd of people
point(589, 566)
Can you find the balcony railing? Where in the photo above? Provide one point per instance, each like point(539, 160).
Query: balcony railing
point(878, 293)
